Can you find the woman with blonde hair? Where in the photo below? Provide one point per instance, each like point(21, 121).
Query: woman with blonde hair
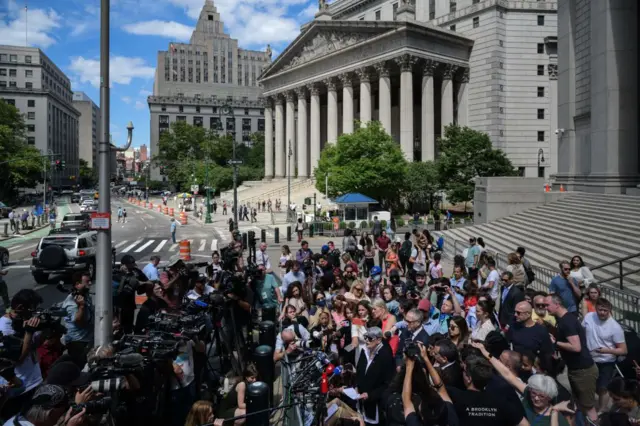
point(381, 313)
point(514, 265)
point(392, 259)
point(201, 413)
point(357, 292)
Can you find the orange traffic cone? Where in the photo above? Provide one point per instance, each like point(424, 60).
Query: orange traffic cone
point(546, 188)
point(561, 188)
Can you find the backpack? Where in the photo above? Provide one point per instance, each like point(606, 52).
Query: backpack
point(405, 250)
point(531, 276)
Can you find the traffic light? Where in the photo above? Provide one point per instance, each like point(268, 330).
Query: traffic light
point(58, 165)
point(63, 165)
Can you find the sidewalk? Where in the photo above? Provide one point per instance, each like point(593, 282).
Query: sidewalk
point(63, 209)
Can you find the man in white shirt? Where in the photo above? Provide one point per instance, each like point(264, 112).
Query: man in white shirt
point(262, 258)
point(493, 279)
point(606, 342)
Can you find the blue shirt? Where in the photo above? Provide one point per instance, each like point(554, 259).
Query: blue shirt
point(437, 323)
point(74, 332)
point(471, 254)
point(289, 278)
point(562, 288)
point(173, 227)
point(151, 271)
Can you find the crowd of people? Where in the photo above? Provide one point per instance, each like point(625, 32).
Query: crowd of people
point(470, 345)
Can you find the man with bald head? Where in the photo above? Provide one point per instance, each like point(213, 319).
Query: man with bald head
point(527, 335)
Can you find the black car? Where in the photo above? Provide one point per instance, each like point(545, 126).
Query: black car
point(4, 256)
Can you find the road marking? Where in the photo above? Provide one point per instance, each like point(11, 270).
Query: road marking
point(145, 245)
point(162, 243)
point(214, 245)
point(126, 249)
point(14, 248)
point(173, 247)
point(18, 267)
point(40, 287)
point(120, 244)
point(202, 244)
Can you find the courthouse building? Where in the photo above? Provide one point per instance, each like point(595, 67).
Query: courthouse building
point(416, 66)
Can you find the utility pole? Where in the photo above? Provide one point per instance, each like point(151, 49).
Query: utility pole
point(228, 110)
point(289, 154)
point(104, 306)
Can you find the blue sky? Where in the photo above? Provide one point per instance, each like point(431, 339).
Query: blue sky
point(68, 32)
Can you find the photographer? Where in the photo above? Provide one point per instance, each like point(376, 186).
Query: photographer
point(18, 321)
point(154, 303)
point(292, 338)
point(201, 288)
point(80, 319)
point(132, 281)
point(47, 407)
point(175, 281)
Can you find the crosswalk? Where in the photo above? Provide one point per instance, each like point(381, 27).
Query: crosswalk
point(224, 234)
point(158, 245)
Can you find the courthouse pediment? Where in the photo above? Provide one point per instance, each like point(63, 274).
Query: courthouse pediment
point(322, 38)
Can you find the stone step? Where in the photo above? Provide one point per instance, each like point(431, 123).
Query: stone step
point(610, 206)
point(627, 199)
point(578, 214)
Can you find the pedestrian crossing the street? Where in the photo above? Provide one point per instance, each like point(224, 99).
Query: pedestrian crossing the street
point(226, 236)
point(156, 245)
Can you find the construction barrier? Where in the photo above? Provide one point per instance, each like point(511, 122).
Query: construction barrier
point(151, 206)
point(562, 188)
point(145, 204)
point(171, 211)
point(183, 218)
point(165, 210)
point(185, 250)
point(159, 208)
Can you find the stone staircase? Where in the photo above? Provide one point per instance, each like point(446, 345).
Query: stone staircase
point(277, 188)
point(600, 228)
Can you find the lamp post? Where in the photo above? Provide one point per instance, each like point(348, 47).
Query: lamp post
point(207, 217)
point(227, 110)
point(289, 155)
point(326, 187)
point(540, 160)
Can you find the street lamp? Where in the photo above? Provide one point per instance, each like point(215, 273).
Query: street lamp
point(207, 218)
point(227, 110)
point(540, 160)
point(289, 155)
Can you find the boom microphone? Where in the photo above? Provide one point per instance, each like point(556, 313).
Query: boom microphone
point(130, 360)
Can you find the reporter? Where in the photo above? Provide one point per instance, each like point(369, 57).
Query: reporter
point(80, 319)
point(47, 407)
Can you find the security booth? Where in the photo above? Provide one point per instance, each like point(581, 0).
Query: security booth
point(354, 207)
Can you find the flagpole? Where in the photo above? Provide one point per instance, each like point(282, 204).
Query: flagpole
point(26, 24)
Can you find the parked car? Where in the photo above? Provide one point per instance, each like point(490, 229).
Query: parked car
point(64, 252)
point(4, 210)
point(75, 221)
point(4, 256)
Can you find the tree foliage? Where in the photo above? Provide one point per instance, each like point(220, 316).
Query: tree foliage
point(422, 183)
point(185, 152)
point(20, 163)
point(367, 161)
point(88, 177)
point(464, 155)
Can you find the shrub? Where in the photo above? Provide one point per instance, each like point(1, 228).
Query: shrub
point(352, 225)
point(328, 226)
point(384, 224)
point(364, 224)
point(343, 225)
point(400, 222)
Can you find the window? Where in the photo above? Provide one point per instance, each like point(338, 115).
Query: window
point(3, 84)
point(540, 48)
point(452, 27)
point(521, 171)
point(377, 15)
point(197, 121)
point(476, 22)
point(163, 108)
point(210, 17)
point(501, 132)
point(540, 69)
point(432, 15)
point(540, 135)
point(395, 10)
point(31, 115)
point(180, 108)
point(501, 15)
point(261, 124)
point(13, 73)
point(246, 124)
point(27, 59)
point(3, 72)
point(28, 73)
point(541, 92)
point(3, 57)
point(31, 103)
point(13, 58)
point(31, 140)
point(197, 109)
point(10, 102)
point(540, 113)
point(163, 119)
point(31, 127)
point(501, 43)
point(501, 65)
point(246, 111)
point(502, 88)
point(13, 84)
point(29, 85)
point(501, 109)
point(540, 172)
point(231, 124)
point(541, 20)
point(452, 6)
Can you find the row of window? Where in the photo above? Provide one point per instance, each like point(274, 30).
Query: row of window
point(27, 85)
point(14, 58)
point(205, 110)
point(214, 122)
point(14, 72)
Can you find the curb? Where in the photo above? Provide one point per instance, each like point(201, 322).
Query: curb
point(22, 233)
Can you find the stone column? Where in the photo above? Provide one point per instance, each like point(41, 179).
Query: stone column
point(268, 139)
point(552, 157)
point(347, 103)
point(406, 63)
point(428, 124)
point(302, 145)
point(290, 137)
point(384, 113)
point(332, 111)
point(365, 95)
point(280, 145)
point(446, 105)
point(314, 148)
point(463, 106)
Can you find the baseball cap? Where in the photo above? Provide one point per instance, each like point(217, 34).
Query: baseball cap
point(373, 333)
point(173, 261)
point(67, 373)
point(49, 396)
point(424, 305)
point(127, 259)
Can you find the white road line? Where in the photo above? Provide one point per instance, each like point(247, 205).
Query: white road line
point(18, 267)
point(145, 245)
point(214, 245)
point(15, 248)
point(120, 244)
point(126, 249)
point(159, 247)
point(173, 247)
point(202, 244)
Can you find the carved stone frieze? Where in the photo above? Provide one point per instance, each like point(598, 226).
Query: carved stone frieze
point(552, 69)
point(314, 89)
point(406, 62)
point(324, 43)
point(290, 95)
point(278, 98)
point(301, 92)
point(382, 69)
point(463, 76)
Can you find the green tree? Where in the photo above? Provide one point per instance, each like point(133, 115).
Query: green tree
point(367, 161)
point(422, 184)
point(88, 177)
point(464, 155)
point(20, 163)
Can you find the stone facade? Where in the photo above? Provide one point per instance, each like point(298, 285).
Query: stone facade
point(598, 96)
point(89, 127)
point(31, 82)
point(500, 52)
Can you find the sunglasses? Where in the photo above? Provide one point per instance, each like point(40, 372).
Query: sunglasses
point(541, 305)
point(358, 288)
point(521, 312)
point(369, 339)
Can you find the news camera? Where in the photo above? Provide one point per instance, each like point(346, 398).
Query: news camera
point(94, 407)
point(412, 350)
point(157, 346)
point(49, 320)
point(190, 326)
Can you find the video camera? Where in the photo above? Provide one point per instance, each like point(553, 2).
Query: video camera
point(412, 350)
point(98, 406)
point(190, 326)
point(157, 346)
point(49, 320)
point(72, 290)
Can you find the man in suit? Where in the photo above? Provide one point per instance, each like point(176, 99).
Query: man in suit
point(414, 332)
point(509, 298)
point(373, 375)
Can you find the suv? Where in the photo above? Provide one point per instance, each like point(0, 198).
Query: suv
point(73, 221)
point(64, 252)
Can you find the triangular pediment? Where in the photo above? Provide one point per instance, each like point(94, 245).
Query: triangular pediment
point(323, 38)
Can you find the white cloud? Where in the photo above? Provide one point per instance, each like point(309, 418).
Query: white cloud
point(122, 70)
point(126, 99)
point(79, 29)
point(169, 29)
point(41, 24)
point(145, 93)
point(140, 105)
point(308, 12)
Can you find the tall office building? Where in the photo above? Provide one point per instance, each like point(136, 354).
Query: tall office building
point(31, 82)
point(208, 82)
point(143, 153)
point(417, 66)
point(89, 127)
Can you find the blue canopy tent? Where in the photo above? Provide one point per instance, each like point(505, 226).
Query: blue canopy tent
point(354, 207)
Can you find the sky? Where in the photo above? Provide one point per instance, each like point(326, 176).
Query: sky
point(68, 31)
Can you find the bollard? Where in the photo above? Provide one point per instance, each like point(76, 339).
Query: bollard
point(245, 240)
point(289, 233)
point(276, 235)
point(258, 401)
point(311, 226)
point(263, 358)
point(33, 222)
point(321, 229)
point(6, 230)
point(267, 330)
point(263, 235)
point(185, 250)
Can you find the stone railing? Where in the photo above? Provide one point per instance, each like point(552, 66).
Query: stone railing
point(191, 100)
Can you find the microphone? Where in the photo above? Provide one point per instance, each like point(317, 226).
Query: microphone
point(130, 360)
point(201, 304)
